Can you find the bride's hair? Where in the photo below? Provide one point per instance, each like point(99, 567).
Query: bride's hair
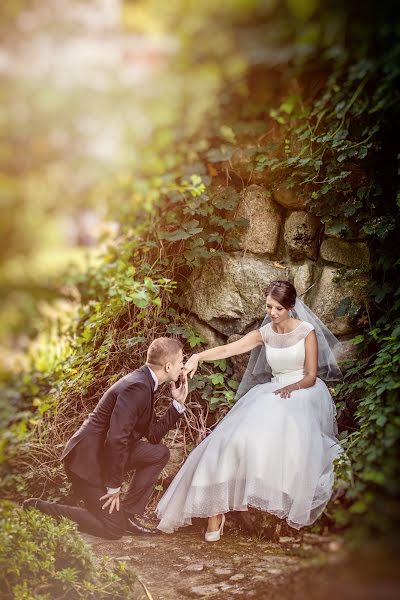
point(283, 292)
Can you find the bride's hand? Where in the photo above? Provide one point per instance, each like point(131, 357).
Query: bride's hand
point(191, 366)
point(286, 391)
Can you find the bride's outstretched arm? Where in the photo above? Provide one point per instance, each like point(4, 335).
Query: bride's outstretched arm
point(245, 344)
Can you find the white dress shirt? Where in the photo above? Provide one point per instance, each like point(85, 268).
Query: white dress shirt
point(179, 407)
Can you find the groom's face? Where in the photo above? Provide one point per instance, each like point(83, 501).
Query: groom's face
point(174, 366)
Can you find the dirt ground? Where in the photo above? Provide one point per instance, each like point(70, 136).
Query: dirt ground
point(310, 566)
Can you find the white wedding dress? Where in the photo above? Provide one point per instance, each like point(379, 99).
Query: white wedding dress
point(271, 453)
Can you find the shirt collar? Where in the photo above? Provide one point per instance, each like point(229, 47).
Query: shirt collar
point(154, 376)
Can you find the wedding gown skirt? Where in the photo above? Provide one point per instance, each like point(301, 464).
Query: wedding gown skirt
point(275, 454)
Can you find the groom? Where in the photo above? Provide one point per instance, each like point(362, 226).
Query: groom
point(109, 444)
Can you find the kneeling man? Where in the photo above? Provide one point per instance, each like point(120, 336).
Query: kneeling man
point(109, 444)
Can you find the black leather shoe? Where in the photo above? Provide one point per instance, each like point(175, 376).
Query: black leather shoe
point(30, 503)
point(136, 528)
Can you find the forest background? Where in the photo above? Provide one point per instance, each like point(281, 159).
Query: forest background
point(108, 150)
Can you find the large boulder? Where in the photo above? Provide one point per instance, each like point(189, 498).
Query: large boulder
point(288, 197)
point(303, 277)
point(327, 297)
point(228, 291)
point(264, 218)
point(350, 254)
point(301, 235)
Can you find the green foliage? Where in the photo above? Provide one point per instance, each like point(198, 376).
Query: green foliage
point(41, 559)
point(216, 387)
point(374, 384)
point(202, 225)
point(177, 210)
point(338, 133)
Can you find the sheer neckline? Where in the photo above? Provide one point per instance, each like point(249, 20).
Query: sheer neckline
point(287, 333)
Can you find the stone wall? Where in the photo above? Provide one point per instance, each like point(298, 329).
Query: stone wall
point(283, 241)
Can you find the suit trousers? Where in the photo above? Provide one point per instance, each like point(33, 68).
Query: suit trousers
point(147, 460)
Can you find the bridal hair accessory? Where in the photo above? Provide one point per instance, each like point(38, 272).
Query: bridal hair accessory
point(329, 350)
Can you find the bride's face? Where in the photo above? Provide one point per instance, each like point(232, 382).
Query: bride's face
point(276, 311)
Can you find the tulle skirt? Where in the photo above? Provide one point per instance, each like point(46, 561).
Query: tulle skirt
point(275, 454)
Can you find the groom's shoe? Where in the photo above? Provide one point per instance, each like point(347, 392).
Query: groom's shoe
point(30, 503)
point(135, 528)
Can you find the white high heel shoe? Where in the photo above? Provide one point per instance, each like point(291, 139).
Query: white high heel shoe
point(214, 536)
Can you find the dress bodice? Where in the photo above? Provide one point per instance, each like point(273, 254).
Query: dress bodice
point(285, 352)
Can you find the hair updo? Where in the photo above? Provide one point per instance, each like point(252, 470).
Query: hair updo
point(283, 292)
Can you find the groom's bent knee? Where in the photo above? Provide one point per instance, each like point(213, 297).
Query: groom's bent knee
point(163, 454)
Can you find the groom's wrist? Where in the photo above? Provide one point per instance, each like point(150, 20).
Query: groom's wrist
point(179, 407)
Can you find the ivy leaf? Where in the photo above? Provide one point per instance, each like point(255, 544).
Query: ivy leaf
point(134, 341)
point(233, 384)
point(197, 383)
point(351, 208)
point(221, 363)
point(174, 236)
point(185, 232)
point(381, 420)
point(178, 330)
point(336, 227)
point(362, 153)
point(193, 255)
point(228, 199)
point(196, 340)
point(216, 378)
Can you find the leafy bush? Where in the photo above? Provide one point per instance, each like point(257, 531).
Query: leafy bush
point(41, 559)
point(373, 384)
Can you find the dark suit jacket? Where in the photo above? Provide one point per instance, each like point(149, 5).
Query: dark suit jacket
point(98, 451)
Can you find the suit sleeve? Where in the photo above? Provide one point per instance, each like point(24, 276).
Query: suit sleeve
point(159, 427)
point(130, 404)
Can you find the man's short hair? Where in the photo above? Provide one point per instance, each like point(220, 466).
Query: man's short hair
point(163, 350)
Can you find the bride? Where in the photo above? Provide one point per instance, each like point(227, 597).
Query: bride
point(275, 449)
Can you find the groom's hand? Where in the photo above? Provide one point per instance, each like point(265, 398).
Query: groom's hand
point(180, 393)
point(112, 500)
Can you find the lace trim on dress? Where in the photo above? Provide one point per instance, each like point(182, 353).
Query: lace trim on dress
point(285, 340)
point(239, 495)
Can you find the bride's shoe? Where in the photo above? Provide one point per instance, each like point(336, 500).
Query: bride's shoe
point(214, 536)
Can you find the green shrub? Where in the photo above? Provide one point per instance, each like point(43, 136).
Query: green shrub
point(41, 559)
